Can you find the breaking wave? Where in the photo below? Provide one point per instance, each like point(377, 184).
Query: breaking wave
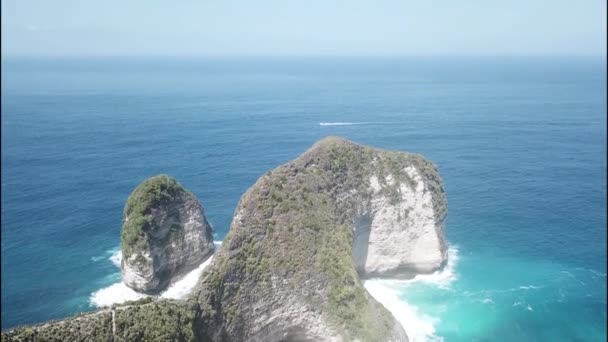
point(118, 293)
point(418, 326)
point(113, 254)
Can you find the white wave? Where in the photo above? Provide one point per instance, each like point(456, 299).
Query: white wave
point(418, 326)
point(597, 273)
point(338, 123)
point(114, 294)
point(527, 306)
point(499, 291)
point(528, 287)
point(354, 123)
point(116, 254)
point(118, 293)
point(116, 258)
point(487, 301)
point(442, 278)
point(112, 253)
point(182, 287)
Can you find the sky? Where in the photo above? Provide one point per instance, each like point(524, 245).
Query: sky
point(302, 28)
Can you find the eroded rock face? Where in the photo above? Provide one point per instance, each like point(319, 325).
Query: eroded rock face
point(165, 234)
point(305, 234)
point(402, 236)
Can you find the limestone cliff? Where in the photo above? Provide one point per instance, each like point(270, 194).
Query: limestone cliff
point(165, 234)
point(399, 231)
point(301, 239)
point(301, 235)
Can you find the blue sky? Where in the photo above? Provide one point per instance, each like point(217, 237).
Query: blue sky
point(313, 27)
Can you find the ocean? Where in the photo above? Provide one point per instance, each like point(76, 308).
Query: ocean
point(520, 144)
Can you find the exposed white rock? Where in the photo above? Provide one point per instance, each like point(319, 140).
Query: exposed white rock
point(401, 239)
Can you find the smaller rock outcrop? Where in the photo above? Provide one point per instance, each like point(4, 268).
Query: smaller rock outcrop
point(164, 235)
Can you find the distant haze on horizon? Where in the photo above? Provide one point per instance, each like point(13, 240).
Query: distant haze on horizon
point(303, 28)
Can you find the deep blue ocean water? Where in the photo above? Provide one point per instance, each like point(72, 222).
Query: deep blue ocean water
point(520, 144)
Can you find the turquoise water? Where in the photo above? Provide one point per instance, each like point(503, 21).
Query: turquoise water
point(520, 143)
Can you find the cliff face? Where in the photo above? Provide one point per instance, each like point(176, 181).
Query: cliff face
point(165, 234)
point(304, 233)
point(301, 239)
point(399, 231)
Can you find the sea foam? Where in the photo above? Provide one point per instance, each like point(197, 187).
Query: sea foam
point(114, 254)
point(418, 326)
point(182, 287)
point(118, 293)
point(116, 258)
point(114, 294)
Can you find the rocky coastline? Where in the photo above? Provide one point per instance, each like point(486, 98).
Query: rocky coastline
point(301, 241)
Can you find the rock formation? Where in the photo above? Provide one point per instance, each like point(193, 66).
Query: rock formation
point(301, 239)
point(401, 234)
point(165, 234)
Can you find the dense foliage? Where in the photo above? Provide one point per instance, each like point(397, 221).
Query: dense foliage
point(137, 213)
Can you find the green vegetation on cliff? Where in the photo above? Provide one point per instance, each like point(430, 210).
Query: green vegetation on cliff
point(143, 320)
point(295, 225)
point(157, 321)
point(152, 193)
point(91, 327)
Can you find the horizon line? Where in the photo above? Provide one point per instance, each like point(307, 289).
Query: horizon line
point(4, 55)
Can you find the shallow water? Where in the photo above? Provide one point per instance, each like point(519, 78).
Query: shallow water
point(520, 143)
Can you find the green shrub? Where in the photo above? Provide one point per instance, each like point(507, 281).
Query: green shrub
point(152, 193)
